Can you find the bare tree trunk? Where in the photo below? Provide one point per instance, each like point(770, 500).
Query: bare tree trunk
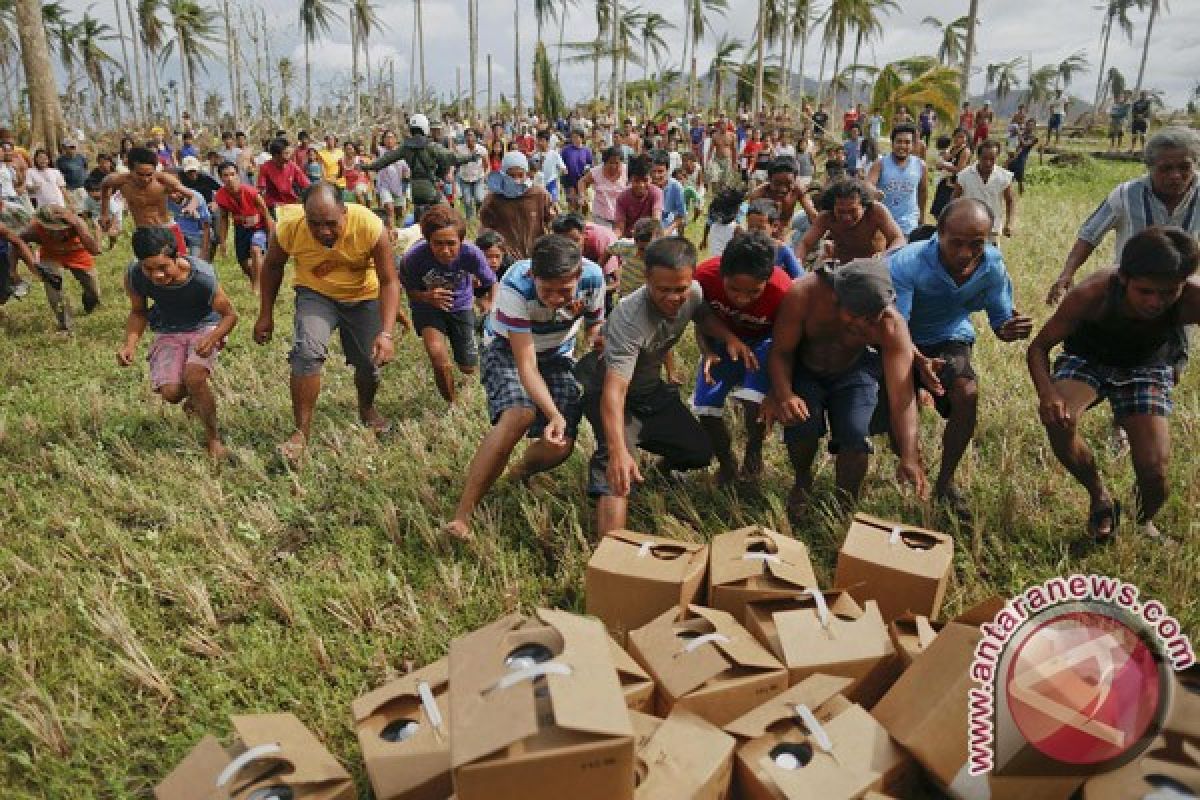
point(972, 19)
point(8, 90)
point(687, 35)
point(562, 24)
point(473, 33)
point(1146, 45)
point(356, 105)
point(759, 68)
point(421, 44)
point(614, 88)
point(140, 102)
point(803, 44)
point(125, 51)
point(412, 64)
point(489, 87)
point(231, 53)
point(821, 76)
point(1106, 33)
point(517, 51)
point(785, 55)
point(270, 88)
point(45, 111)
point(854, 78)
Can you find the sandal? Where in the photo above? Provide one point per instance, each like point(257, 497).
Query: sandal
point(1110, 514)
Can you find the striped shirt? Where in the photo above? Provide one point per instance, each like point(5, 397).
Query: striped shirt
point(518, 309)
point(1132, 207)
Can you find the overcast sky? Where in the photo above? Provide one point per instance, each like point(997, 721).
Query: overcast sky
point(1049, 29)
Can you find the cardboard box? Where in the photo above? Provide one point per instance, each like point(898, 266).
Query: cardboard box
point(755, 563)
point(780, 757)
point(537, 712)
point(839, 638)
point(702, 660)
point(632, 578)
point(405, 742)
point(271, 750)
point(900, 567)
point(911, 635)
point(926, 712)
point(636, 685)
point(682, 757)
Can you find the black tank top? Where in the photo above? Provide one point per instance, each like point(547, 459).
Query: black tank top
point(1116, 340)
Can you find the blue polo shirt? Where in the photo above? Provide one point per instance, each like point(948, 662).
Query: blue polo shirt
point(938, 309)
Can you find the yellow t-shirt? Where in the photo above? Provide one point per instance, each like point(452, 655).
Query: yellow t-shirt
point(344, 272)
point(330, 164)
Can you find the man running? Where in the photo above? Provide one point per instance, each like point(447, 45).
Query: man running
point(428, 163)
point(1141, 123)
point(242, 205)
point(345, 280)
point(992, 186)
point(578, 160)
point(784, 190)
point(145, 189)
point(1119, 331)
point(65, 246)
point(518, 211)
point(838, 336)
point(674, 207)
point(857, 226)
point(939, 283)
point(180, 300)
point(640, 201)
point(900, 177)
point(721, 169)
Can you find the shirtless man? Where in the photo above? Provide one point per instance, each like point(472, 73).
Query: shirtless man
point(857, 227)
point(820, 366)
point(781, 187)
point(721, 171)
point(146, 190)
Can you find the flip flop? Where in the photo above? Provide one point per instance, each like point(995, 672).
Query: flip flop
point(1111, 514)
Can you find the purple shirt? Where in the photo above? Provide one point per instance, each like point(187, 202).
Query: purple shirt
point(420, 271)
point(577, 161)
point(630, 209)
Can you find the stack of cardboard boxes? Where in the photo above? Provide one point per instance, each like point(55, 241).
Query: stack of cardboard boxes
point(704, 672)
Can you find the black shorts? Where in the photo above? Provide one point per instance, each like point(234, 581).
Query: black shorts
point(957, 356)
point(457, 326)
point(1140, 125)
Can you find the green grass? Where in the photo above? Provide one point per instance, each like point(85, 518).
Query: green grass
point(145, 595)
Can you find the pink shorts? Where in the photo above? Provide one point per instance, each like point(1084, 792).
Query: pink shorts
point(171, 352)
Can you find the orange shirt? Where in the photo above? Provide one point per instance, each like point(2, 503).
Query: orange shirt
point(69, 253)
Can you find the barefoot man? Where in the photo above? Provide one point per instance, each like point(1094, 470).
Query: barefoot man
point(190, 316)
point(344, 280)
point(857, 227)
point(146, 190)
point(821, 366)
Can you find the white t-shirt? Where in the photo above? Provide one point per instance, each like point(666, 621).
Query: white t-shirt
point(8, 177)
point(1058, 106)
point(47, 185)
point(990, 193)
point(472, 171)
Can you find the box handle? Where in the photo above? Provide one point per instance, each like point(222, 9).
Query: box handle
point(894, 539)
point(822, 607)
point(251, 755)
point(771, 557)
point(814, 727)
point(531, 674)
point(708, 638)
point(430, 705)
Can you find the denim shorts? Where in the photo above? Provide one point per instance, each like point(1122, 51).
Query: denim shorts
point(846, 399)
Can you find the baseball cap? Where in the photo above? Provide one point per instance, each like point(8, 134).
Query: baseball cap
point(68, 143)
point(190, 163)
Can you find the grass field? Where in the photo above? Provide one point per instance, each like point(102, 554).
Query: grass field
point(146, 595)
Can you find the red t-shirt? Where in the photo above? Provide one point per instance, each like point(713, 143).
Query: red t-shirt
point(750, 152)
point(526, 144)
point(848, 119)
point(278, 184)
point(754, 322)
point(243, 208)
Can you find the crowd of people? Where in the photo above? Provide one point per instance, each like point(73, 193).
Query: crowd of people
point(553, 260)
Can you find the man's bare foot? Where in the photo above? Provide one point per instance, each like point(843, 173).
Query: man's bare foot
point(375, 421)
point(293, 449)
point(188, 407)
point(797, 500)
point(458, 531)
point(217, 450)
point(517, 473)
point(752, 467)
point(955, 502)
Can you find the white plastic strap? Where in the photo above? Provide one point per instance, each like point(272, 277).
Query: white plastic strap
point(814, 727)
point(894, 539)
point(645, 549)
point(822, 606)
point(253, 754)
point(531, 674)
point(431, 707)
point(774, 559)
point(707, 638)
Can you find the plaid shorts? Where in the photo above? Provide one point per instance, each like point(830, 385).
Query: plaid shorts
point(502, 384)
point(1129, 390)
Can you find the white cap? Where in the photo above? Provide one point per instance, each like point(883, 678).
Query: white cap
point(190, 163)
point(420, 122)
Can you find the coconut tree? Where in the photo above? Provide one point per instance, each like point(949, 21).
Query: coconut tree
point(865, 18)
point(1116, 13)
point(1069, 67)
point(1004, 76)
point(653, 44)
point(969, 49)
point(723, 65)
point(45, 110)
point(8, 46)
point(195, 32)
point(564, 6)
point(953, 43)
point(801, 13)
point(914, 82)
point(1041, 84)
point(698, 20)
point(316, 20)
point(1156, 7)
point(838, 20)
point(90, 34)
point(154, 35)
point(365, 20)
point(287, 76)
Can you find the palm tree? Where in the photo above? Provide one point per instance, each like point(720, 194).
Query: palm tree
point(723, 64)
point(1156, 6)
point(195, 31)
point(799, 30)
point(914, 82)
point(969, 49)
point(1066, 69)
point(45, 110)
point(653, 43)
point(287, 75)
point(1004, 76)
point(1116, 12)
point(365, 19)
point(89, 34)
point(316, 20)
point(154, 37)
point(867, 26)
point(953, 44)
point(838, 19)
point(564, 7)
point(697, 21)
point(1041, 84)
